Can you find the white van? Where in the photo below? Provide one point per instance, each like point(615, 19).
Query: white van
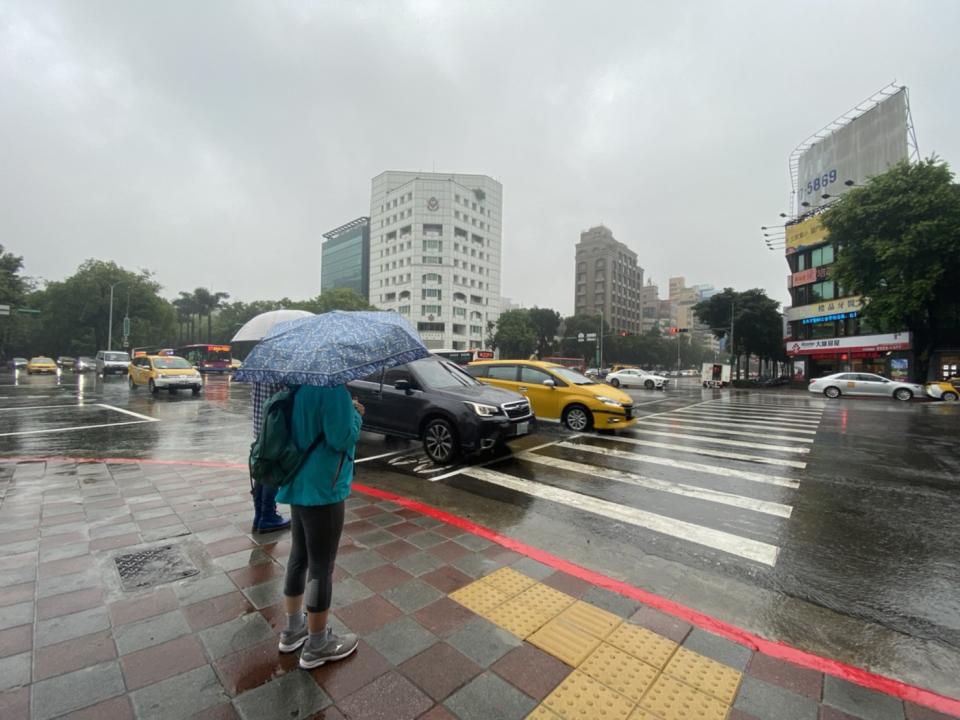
point(111, 362)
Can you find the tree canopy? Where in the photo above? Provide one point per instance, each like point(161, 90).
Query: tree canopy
point(758, 325)
point(896, 240)
point(515, 337)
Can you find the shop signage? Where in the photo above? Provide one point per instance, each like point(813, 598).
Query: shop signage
point(810, 275)
point(827, 307)
point(853, 344)
point(801, 235)
point(829, 318)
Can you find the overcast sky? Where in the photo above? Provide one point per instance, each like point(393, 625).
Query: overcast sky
point(214, 142)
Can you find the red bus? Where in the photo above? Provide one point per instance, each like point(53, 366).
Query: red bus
point(207, 358)
point(463, 357)
point(573, 363)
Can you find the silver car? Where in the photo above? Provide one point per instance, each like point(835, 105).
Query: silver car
point(867, 384)
point(635, 377)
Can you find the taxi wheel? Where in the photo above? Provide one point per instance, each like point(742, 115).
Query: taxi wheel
point(196, 390)
point(577, 418)
point(615, 382)
point(153, 387)
point(131, 383)
point(949, 397)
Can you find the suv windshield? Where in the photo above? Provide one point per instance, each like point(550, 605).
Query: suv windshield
point(443, 375)
point(171, 363)
point(116, 357)
point(572, 376)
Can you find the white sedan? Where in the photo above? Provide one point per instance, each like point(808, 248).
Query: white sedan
point(866, 384)
point(635, 377)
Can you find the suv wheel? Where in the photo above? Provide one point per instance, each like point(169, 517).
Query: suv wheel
point(903, 394)
point(440, 441)
point(615, 382)
point(153, 387)
point(832, 392)
point(577, 418)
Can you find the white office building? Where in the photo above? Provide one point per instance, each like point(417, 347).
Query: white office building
point(435, 248)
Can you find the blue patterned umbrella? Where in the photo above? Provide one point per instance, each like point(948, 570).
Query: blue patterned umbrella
point(332, 349)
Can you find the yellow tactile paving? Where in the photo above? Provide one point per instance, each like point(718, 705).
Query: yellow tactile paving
point(564, 641)
point(704, 674)
point(520, 617)
point(580, 697)
point(640, 714)
point(544, 598)
point(620, 671)
point(592, 619)
point(541, 712)
point(653, 649)
point(671, 699)
point(479, 597)
point(508, 581)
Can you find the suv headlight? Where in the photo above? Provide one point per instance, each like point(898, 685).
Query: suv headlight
point(608, 401)
point(481, 409)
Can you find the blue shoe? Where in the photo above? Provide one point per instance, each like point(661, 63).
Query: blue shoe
point(269, 520)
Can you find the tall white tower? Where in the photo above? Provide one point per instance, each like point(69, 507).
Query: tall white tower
point(435, 253)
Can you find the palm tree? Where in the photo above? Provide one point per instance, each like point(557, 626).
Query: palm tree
point(206, 302)
point(187, 307)
point(216, 298)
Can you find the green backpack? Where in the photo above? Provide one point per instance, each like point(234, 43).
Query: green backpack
point(275, 459)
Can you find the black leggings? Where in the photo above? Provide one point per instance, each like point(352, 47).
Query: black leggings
point(316, 534)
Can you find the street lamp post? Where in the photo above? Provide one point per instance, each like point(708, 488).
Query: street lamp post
point(110, 326)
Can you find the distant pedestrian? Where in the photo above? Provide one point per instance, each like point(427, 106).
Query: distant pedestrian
point(317, 497)
point(265, 516)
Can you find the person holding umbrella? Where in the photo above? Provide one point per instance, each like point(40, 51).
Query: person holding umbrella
point(265, 516)
point(319, 355)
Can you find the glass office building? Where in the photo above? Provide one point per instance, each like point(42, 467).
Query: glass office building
point(345, 258)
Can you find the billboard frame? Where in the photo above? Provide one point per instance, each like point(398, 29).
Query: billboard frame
point(842, 121)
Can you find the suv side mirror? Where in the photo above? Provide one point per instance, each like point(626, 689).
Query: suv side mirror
point(403, 385)
point(549, 383)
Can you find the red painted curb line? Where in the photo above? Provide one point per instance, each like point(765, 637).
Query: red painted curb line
point(836, 668)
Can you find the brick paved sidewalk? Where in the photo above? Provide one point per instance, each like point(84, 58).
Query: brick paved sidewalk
point(451, 625)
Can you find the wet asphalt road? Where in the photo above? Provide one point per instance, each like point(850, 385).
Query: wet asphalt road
point(830, 525)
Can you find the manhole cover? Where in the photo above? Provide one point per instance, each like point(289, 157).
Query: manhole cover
point(155, 566)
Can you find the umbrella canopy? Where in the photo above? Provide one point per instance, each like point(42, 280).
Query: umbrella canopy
point(332, 349)
point(257, 328)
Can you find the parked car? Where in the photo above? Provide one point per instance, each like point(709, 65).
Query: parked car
point(866, 384)
point(84, 364)
point(164, 373)
point(635, 377)
point(558, 393)
point(435, 401)
point(65, 363)
point(41, 364)
point(19, 363)
point(111, 362)
point(946, 390)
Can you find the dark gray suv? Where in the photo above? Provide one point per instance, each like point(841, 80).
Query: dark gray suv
point(435, 401)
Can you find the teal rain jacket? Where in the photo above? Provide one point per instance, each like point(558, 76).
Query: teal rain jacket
point(326, 476)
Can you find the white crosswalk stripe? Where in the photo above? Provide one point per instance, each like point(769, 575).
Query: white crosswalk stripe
point(670, 424)
point(733, 544)
point(744, 459)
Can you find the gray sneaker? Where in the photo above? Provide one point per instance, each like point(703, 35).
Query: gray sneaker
point(290, 640)
point(335, 647)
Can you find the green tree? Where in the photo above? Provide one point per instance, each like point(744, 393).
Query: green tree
point(13, 292)
point(572, 327)
point(545, 324)
point(515, 336)
point(206, 302)
point(334, 299)
point(758, 325)
point(896, 243)
point(75, 312)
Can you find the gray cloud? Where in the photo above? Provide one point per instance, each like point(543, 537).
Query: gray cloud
point(214, 142)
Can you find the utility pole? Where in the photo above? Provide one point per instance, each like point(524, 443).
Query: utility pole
point(733, 303)
point(600, 344)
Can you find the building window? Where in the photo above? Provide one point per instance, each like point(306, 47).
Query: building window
point(432, 260)
point(430, 294)
point(429, 309)
point(823, 291)
point(459, 329)
point(430, 327)
point(433, 230)
point(459, 312)
point(404, 294)
point(431, 278)
point(389, 297)
point(459, 297)
point(404, 309)
point(433, 245)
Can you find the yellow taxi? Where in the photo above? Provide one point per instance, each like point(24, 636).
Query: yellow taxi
point(41, 364)
point(558, 393)
point(946, 390)
point(164, 372)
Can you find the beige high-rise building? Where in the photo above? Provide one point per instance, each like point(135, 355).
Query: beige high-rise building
point(608, 280)
point(650, 305)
